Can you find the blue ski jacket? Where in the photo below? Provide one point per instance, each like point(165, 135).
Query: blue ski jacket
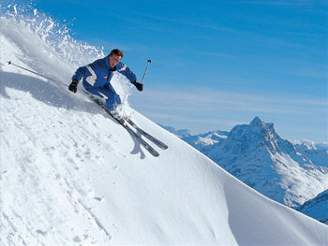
point(99, 73)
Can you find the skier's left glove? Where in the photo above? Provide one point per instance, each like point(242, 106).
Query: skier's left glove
point(138, 85)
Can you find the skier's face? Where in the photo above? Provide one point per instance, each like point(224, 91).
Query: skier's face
point(114, 60)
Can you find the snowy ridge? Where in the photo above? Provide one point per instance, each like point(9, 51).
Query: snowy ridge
point(71, 175)
point(316, 153)
point(317, 207)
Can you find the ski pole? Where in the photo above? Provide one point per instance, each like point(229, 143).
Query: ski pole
point(144, 74)
point(31, 71)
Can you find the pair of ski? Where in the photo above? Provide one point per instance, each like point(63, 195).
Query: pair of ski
point(129, 125)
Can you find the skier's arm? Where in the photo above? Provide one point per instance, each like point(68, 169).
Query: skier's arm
point(123, 69)
point(84, 71)
point(127, 72)
point(78, 75)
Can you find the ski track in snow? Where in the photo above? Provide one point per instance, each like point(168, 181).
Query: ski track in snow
point(69, 175)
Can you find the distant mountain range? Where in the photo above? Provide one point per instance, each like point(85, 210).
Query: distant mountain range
point(291, 173)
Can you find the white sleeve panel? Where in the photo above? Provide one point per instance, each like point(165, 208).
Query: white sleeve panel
point(92, 78)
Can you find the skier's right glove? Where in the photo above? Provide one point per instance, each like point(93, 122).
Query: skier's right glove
point(73, 86)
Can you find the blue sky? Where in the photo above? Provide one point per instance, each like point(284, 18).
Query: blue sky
point(217, 63)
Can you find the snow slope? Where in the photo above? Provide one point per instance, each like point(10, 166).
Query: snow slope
point(69, 175)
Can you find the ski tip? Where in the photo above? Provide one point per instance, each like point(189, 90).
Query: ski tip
point(156, 155)
point(163, 147)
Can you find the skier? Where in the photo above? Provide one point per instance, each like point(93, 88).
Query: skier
point(97, 75)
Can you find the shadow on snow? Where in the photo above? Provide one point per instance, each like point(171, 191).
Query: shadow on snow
point(53, 95)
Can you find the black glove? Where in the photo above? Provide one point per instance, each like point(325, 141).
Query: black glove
point(138, 85)
point(73, 86)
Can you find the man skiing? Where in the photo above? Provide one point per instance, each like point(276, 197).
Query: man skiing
point(96, 79)
point(97, 75)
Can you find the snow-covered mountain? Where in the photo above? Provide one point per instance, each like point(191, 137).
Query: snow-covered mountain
point(204, 142)
point(317, 207)
point(316, 153)
point(257, 155)
point(69, 175)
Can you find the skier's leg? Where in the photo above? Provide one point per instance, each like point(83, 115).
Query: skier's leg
point(95, 92)
point(107, 94)
point(113, 101)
